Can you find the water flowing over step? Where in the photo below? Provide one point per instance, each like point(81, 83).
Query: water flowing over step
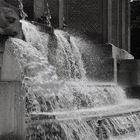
point(61, 103)
point(129, 107)
point(92, 124)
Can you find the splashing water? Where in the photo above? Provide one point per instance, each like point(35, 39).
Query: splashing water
point(68, 54)
point(55, 81)
point(47, 92)
point(109, 128)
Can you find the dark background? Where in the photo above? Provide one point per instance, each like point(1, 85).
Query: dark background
point(135, 23)
point(135, 29)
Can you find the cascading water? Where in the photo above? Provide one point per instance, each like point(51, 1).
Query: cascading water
point(55, 81)
point(69, 57)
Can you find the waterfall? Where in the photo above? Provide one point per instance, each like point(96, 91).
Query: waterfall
point(70, 89)
point(55, 81)
point(69, 56)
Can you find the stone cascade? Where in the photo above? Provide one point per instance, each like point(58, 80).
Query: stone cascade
point(103, 63)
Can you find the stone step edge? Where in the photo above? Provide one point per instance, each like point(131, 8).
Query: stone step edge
point(50, 117)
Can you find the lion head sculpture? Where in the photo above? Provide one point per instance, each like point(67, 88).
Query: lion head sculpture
point(9, 20)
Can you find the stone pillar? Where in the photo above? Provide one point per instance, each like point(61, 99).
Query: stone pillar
point(107, 21)
point(12, 122)
point(61, 14)
point(121, 24)
point(12, 105)
point(127, 25)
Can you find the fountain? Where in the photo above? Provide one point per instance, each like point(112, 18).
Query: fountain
point(62, 102)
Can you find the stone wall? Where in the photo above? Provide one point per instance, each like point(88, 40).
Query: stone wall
point(85, 17)
point(104, 21)
point(12, 103)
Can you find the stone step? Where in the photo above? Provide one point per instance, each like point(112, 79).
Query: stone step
point(128, 72)
point(96, 120)
point(128, 108)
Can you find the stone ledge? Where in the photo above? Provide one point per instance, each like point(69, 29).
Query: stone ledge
point(118, 53)
point(104, 51)
point(97, 120)
point(130, 108)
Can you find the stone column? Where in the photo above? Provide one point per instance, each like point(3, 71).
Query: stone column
point(121, 24)
point(127, 25)
point(107, 21)
point(61, 14)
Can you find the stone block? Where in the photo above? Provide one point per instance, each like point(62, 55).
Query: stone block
point(12, 115)
point(128, 72)
point(133, 92)
point(103, 51)
point(10, 70)
point(118, 53)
